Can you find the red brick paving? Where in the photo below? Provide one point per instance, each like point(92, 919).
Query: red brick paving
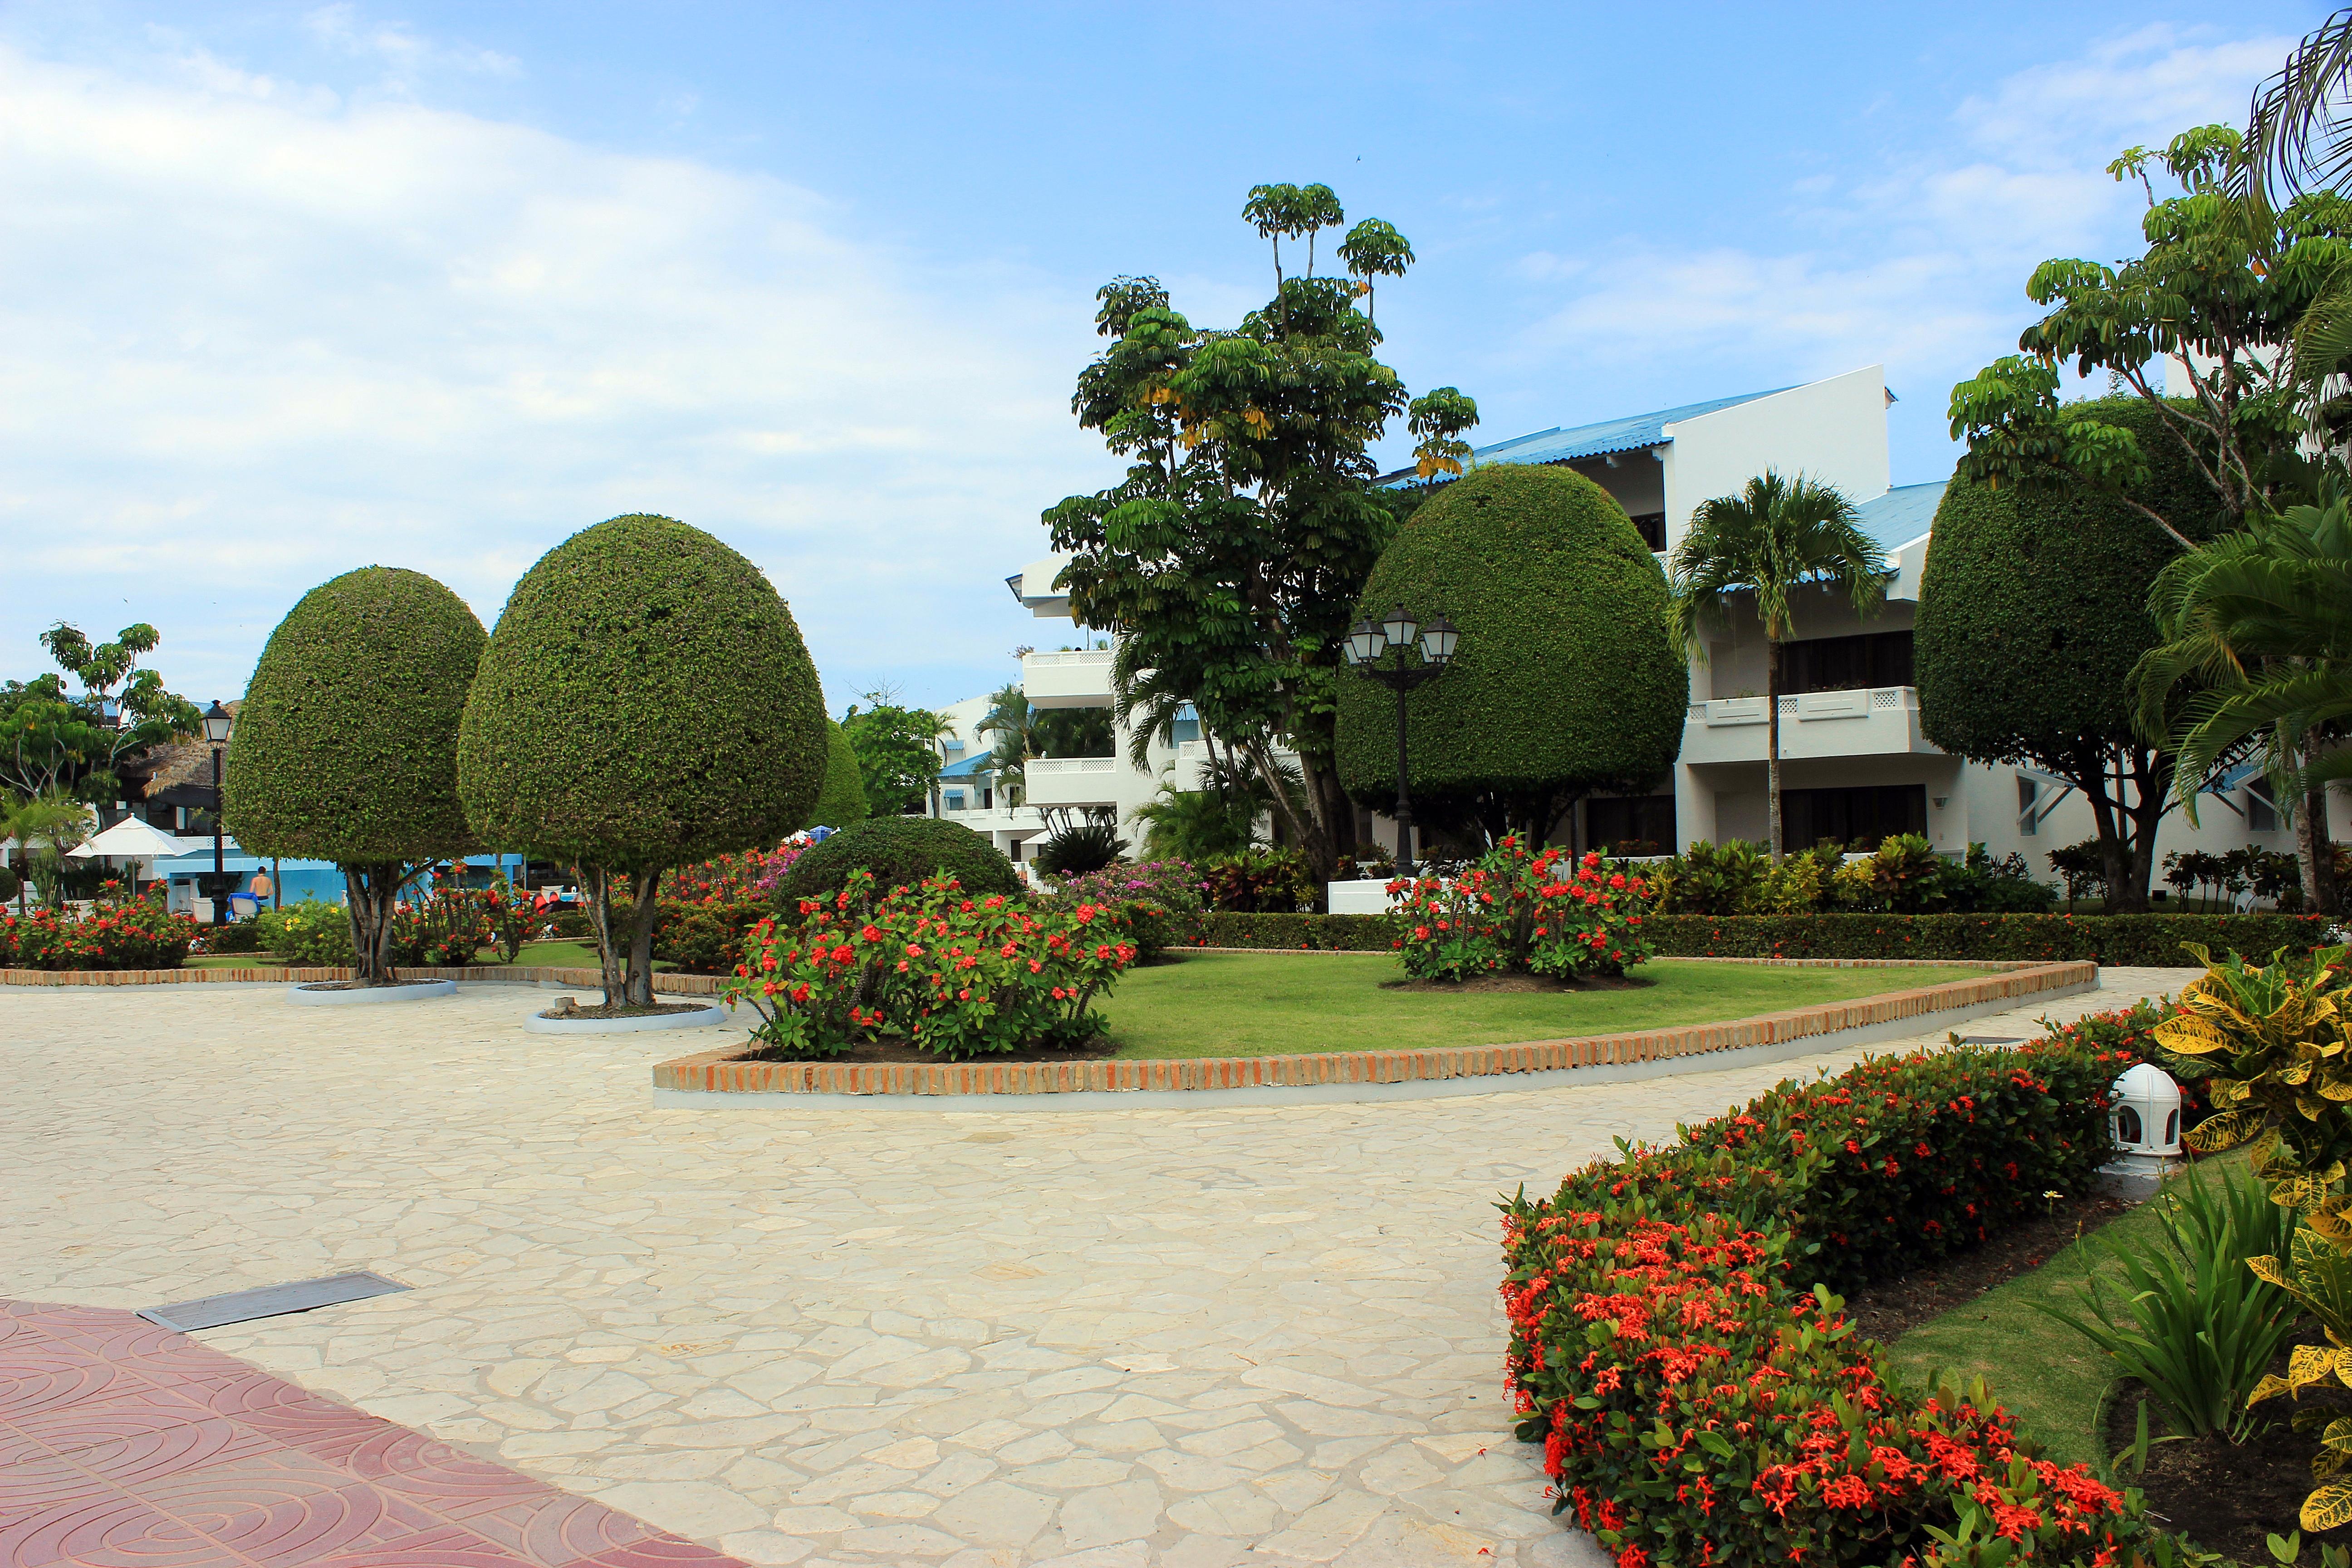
point(127, 1445)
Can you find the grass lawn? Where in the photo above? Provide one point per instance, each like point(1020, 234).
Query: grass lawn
point(2048, 1373)
point(232, 961)
point(1250, 1004)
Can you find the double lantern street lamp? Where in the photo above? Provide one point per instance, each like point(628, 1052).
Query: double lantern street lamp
point(1394, 634)
point(217, 722)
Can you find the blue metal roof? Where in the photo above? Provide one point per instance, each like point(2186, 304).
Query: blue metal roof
point(970, 767)
point(1902, 514)
point(1628, 434)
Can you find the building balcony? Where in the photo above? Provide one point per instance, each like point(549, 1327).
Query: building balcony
point(1079, 678)
point(1075, 781)
point(1867, 723)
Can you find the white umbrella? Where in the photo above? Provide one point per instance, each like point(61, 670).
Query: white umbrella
point(131, 839)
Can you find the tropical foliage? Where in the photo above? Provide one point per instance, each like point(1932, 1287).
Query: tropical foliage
point(57, 741)
point(898, 752)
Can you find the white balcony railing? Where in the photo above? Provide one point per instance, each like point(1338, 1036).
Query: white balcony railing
point(1072, 781)
point(1870, 722)
point(1074, 677)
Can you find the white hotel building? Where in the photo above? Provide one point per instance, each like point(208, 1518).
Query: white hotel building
point(1854, 763)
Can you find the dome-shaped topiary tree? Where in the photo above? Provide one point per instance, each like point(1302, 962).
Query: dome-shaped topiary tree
point(842, 799)
point(1565, 680)
point(645, 701)
point(900, 851)
point(2034, 609)
point(345, 748)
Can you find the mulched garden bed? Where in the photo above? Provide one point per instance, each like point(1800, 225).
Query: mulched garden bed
point(2227, 1497)
point(625, 1010)
point(1891, 1308)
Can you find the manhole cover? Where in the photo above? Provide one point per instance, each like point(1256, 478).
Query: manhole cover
point(270, 1302)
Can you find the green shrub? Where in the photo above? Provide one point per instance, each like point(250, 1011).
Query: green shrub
point(1255, 881)
point(137, 934)
point(1080, 850)
point(1675, 1347)
point(902, 852)
point(1518, 911)
point(1713, 879)
point(1565, 680)
point(345, 748)
point(237, 936)
point(9, 883)
point(842, 801)
point(2157, 942)
point(645, 702)
point(706, 938)
point(311, 934)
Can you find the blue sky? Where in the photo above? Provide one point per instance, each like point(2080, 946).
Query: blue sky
point(290, 290)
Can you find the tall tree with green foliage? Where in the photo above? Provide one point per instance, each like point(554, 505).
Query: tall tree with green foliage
point(1229, 558)
point(54, 740)
point(1757, 549)
point(346, 748)
point(898, 752)
point(645, 702)
point(2034, 609)
point(2218, 291)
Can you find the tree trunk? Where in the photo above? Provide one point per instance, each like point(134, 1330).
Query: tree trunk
point(597, 882)
point(644, 887)
point(1772, 745)
point(2151, 777)
point(2317, 851)
point(370, 893)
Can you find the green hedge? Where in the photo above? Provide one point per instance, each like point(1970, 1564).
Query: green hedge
point(2139, 940)
point(1317, 933)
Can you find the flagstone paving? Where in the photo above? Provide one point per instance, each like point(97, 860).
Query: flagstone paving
point(1177, 1336)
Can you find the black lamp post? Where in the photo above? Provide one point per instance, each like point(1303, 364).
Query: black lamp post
point(1395, 633)
point(217, 723)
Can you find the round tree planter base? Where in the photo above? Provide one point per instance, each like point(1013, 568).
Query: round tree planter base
point(702, 1018)
point(725, 1078)
point(358, 996)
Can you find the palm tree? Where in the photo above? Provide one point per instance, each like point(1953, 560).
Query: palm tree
point(1010, 719)
point(2258, 623)
point(2299, 128)
point(1774, 537)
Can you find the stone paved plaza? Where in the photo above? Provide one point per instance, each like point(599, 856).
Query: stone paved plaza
point(1180, 1336)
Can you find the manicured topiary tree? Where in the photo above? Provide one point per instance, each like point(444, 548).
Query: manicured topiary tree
point(346, 746)
point(899, 851)
point(842, 799)
point(645, 701)
point(2034, 609)
point(1565, 680)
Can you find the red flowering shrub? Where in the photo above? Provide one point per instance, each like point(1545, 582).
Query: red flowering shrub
point(1521, 911)
point(136, 934)
point(951, 973)
point(707, 938)
point(1701, 1400)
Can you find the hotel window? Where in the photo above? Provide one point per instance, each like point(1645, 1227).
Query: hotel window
point(2027, 792)
point(955, 800)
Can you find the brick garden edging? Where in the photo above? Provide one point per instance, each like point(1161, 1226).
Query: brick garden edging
point(493, 974)
point(724, 1071)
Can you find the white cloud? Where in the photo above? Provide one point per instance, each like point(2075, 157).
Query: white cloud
point(1923, 266)
point(259, 336)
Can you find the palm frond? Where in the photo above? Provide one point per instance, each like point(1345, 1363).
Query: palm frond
point(2299, 128)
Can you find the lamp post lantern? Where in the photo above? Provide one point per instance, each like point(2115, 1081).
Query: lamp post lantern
point(1397, 631)
point(217, 723)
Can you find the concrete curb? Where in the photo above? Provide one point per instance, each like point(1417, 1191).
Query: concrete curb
point(723, 1076)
